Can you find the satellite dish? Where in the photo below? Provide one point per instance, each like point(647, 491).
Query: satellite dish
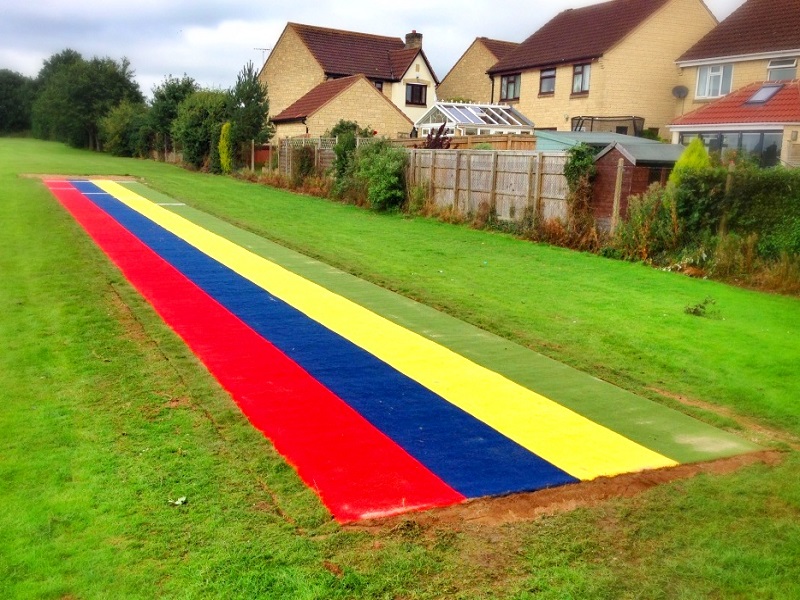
point(680, 92)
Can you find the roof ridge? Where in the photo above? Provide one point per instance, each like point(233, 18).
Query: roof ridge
point(345, 31)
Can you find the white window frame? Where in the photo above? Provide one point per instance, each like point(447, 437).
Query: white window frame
point(712, 80)
point(779, 64)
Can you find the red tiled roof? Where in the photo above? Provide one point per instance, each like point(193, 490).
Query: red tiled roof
point(343, 53)
point(400, 61)
point(578, 34)
point(315, 99)
point(757, 26)
point(498, 47)
point(783, 107)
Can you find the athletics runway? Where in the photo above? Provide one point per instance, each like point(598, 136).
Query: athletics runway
point(381, 404)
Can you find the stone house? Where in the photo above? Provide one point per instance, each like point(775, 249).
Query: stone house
point(605, 67)
point(467, 81)
point(740, 82)
point(304, 57)
point(320, 109)
point(760, 41)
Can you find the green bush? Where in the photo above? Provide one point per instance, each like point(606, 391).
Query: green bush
point(346, 134)
point(760, 201)
point(126, 130)
point(214, 163)
point(303, 164)
point(700, 201)
point(652, 227)
point(381, 167)
point(767, 202)
point(694, 158)
point(580, 165)
point(225, 150)
point(193, 128)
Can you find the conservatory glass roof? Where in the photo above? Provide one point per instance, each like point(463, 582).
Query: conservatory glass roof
point(495, 116)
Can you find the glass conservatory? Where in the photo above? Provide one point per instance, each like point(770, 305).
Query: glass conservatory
point(473, 119)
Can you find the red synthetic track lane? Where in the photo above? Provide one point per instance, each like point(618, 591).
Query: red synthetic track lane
point(357, 471)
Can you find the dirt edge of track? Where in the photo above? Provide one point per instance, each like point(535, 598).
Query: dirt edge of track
point(530, 506)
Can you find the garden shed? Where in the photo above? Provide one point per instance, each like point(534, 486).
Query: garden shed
point(463, 119)
point(643, 163)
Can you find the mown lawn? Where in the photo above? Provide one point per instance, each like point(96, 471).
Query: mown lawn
point(106, 417)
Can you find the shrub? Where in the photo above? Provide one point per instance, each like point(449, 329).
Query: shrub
point(126, 131)
point(303, 164)
point(214, 164)
point(700, 201)
point(651, 228)
point(198, 114)
point(381, 168)
point(225, 149)
point(580, 164)
point(694, 158)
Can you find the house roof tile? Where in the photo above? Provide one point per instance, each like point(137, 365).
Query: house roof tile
point(344, 53)
point(498, 47)
point(783, 107)
point(756, 27)
point(578, 34)
point(315, 99)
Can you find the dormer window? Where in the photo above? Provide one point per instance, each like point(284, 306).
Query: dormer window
point(714, 81)
point(782, 68)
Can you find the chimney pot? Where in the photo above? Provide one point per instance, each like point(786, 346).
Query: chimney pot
point(414, 39)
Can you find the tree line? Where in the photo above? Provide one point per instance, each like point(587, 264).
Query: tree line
point(97, 104)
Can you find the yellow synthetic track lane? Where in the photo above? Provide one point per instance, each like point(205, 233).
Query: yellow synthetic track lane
point(568, 440)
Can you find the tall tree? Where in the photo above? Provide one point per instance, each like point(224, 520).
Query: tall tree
point(167, 97)
point(193, 128)
point(248, 109)
point(76, 94)
point(16, 99)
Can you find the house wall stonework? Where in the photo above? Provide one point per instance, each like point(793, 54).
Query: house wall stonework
point(744, 73)
point(290, 72)
point(361, 103)
point(468, 80)
point(640, 72)
point(635, 77)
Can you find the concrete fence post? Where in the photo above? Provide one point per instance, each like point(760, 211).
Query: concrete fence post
point(617, 194)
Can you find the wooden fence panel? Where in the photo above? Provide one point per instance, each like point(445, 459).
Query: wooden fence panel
point(511, 181)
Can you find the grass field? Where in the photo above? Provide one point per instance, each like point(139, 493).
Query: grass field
point(107, 417)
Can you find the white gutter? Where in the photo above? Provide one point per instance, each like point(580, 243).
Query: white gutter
point(701, 62)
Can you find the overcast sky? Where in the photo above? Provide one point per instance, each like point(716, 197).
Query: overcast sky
point(211, 40)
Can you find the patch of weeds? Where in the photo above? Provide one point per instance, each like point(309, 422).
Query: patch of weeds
point(701, 309)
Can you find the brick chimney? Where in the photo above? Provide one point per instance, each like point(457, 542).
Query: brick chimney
point(414, 39)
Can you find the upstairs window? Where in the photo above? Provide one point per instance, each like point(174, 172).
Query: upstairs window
point(782, 68)
point(416, 94)
point(714, 81)
point(379, 86)
point(509, 87)
point(547, 81)
point(580, 78)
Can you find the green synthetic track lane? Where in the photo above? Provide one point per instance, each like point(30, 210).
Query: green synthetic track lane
point(664, 430)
